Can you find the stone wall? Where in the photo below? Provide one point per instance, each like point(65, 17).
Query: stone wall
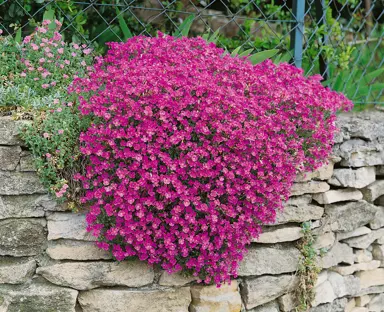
point(48, 262)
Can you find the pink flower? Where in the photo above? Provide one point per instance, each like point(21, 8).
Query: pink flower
point(60, 50)
point(45, 86)
point(53, 83)
point(46, 22)
point(76, 46)
point(48, 155)
point(73, 54)
point(56, 101)
point(59, 111)
point(61, 131)
point(46, 135)
point(83, 63)
point(35, 47)
point(23, 74)
point(42, 30)
point(67, 62)
point(27, 39)
point(42, 60)
point(1, 31)
point(70, 104)
point(87, 51)
point(65, 76)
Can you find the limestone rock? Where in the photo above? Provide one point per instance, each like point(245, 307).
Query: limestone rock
point(378, 253)
point(376, 304)
point(22, 237)
point(9, 131)
point(310, 187)
point(263, 289)
point(299, 200)
point(324, 293)
point(350, 305)
point(68, 226)
point(362, 300)
point(359, 153)
point(325, 240)
point(17, 183)
point(378, 220)
point(89, 275)
point(371, 290)
point(213, 299)
point(268, 307)
point(321, 278)
point(362, 255)
point(27, 162)
point(37, 297)
point(22, 206)
point(344, 285)
point(373, 191)
point(350, 269)
point(358, 178)
point(336, 306)
point(299, 214)
point(363, 242)
point(287, 302)
point(50, 205)
point(350, 216)
point(357, 232)
point(273, 259)
point(339, 253)
point(371, 278)
point(334, 196)
point(10, 157)
point(75, 250)
point(278, 234)
point(175, 279)
point(16, 270)
point(116, 300)
point(359, 309)
point(323, 173)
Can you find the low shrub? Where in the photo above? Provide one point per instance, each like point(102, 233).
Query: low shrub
point(191, 150)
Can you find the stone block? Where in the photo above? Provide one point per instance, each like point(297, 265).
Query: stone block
point(10, 157)
point(354, 178)
point(68, 226)
point(75, 250)
point(18, 183)
point(339, 253)
point(16, 270)
point(279, 234)
point(334, 196)
point(357, 232)
point(175, 279)
point(373, 191)
point(22, 206)
point(311, 187)
point(371, 278)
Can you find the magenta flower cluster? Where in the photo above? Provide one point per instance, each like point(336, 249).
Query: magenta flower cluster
point(192, 150)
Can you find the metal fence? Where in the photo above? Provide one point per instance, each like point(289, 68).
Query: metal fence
point(340, 39)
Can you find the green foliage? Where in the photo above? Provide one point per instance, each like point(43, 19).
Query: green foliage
point(53, 138)
point(308, 269)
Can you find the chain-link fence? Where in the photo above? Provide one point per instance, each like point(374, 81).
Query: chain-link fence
point(340, 39)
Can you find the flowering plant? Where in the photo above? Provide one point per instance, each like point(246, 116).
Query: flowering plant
point(192, 150)
point(41, 67)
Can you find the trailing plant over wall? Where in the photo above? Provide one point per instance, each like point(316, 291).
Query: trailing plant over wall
point(191, 150)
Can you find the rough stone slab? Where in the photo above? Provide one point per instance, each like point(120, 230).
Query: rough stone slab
point(340, 195)
point(287, 302)
point(50, 205)
point(373, 191)
point(363, 242)
point(339, 253)
point(371, 278)
point(310, 187)
point(324, 293)
point(278, 234)
point(22, 206)
point(268, 307)
point(68, 226)
point(260, 290)
point(175, 279)
point(114, 300)
point(75, 250)
point(358, 178)
point(357, 232)
point(9, 131)
point(27, 162)
point(350, 216)
point(359, 153)
point(378, 220)
point(16, 270)
point(371, 290)
point(10, 157)
point(22, 237)
point(274, 259)
point(378, 253)
point(362, 300)
point(336, 306)
point(344, 285)
point(376, 304)
point(323, 173)
point(37, 297)
point(89, 275)
point(18, 183)
point(298, 214)
point(362, 255)
point(325, 240)
point(298, 200)
point(350, 305)
point(350, 269)
point(213, 299)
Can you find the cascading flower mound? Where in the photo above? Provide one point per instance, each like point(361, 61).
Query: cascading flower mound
point(192, 150)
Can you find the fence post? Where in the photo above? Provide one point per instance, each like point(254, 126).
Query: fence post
point(298, 8)
point(321, 10)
